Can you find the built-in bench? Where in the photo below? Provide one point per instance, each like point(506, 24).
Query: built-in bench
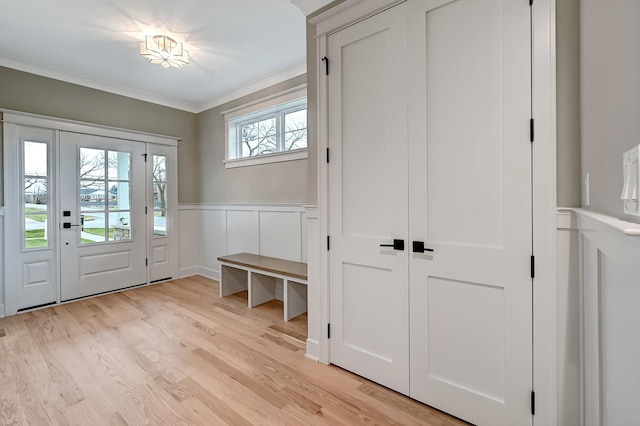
point(259, 274)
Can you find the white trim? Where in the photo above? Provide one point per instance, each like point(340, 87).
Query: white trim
point(193, 107)
point(307, 7)
point(348, 13)
point(209, 273)
point(189, 272)
point(615, 225)
point(284, 207)
point(53, 123)
point(1, 310)
point(263, 103)
point(276, 157)
point(545, 322)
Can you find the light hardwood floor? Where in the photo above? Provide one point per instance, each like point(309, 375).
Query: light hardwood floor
point(177, 354)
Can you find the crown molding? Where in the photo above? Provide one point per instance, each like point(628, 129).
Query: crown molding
point(309, 6)
point(92, 83)
point(193, 107)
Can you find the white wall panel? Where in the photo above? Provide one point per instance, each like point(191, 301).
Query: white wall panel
point(189, 241)
point(280, 235)
point(610, 287)
point(213, 241)
point(243, 231)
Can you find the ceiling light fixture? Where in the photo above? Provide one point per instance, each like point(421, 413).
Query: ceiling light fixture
point(165, 51)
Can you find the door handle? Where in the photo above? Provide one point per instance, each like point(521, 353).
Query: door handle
point(67, 225)
point(418, 247)
point(397, 245)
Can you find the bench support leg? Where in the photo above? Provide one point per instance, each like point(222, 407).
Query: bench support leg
point(295, 299)
point(262, 289)
point(232, 280)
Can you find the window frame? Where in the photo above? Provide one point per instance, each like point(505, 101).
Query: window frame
point(275, 106)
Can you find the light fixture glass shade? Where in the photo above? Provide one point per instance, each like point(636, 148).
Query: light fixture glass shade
point(165, 51)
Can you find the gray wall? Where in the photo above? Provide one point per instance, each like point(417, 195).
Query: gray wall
point(284, 182)
point(26, 92)
point(568, 102)
point(610, 89)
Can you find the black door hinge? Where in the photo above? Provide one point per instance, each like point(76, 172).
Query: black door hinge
point(533, 266)
point(327, 155)
point(326, 64)
point(328, 331)
point(533, 403)
point(530, 2)
point(328, 242)
point(145, 157)
point(146, 262)
point(145, 210)
point(531, 127)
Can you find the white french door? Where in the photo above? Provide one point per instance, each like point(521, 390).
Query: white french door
point(102, 206)
point(369, 199)
point(429, 105)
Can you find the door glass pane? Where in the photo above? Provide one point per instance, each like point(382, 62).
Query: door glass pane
point(93, 228)
point(36, 197)
point(119, 165)
point(119, 226)
point(35, 213)
point(119, 196)
point(105, 195)
point(160, 199)
point(92, 163)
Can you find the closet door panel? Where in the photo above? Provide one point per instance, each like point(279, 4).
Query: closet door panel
point(470, 201)
point(368, 199)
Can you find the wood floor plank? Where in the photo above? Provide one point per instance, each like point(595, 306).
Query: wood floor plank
point(176, 353)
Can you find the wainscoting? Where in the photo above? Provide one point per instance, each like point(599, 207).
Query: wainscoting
point(211, 230)
point(598, 317)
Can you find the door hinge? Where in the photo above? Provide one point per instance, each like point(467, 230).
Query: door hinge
point(531, 127)
point(327, 155)
point(328, 331)
point(533, 403)
point(328, 242)
point(530, 2)
point(145, 209)
point(145, 157)
point(533, 266)
point(326, 65)
point(146, 261)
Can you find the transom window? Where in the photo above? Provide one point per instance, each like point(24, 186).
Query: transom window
point(272, 130)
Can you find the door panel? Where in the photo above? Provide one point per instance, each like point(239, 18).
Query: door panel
point(367, 133)
point(470, 197)
point(103, 245)
point(162, 190)
point(30, 237)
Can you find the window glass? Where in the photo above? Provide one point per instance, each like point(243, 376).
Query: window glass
point(160, 199)
point(36, 196)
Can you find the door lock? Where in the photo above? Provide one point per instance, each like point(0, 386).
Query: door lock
point(397, 245)
point(418, 247)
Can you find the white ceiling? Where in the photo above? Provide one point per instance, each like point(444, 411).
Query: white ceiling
point(235, 46)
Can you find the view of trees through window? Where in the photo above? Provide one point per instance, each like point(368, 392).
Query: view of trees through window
point(282, 132)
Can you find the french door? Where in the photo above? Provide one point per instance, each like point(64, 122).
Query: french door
point(429, 141)
point(102, 203)
point(86, 213)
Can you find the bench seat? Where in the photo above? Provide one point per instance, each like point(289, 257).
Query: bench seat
point(259, 274)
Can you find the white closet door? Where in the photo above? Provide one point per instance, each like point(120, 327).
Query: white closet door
point(368, 199)
point(470, 192)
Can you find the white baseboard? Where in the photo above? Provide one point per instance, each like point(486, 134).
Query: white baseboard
point(313, 350)
point(2, 311)
point(209, 273)
point(188, 272)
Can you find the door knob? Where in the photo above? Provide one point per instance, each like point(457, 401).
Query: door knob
point(418, 247)
point(397, 245)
